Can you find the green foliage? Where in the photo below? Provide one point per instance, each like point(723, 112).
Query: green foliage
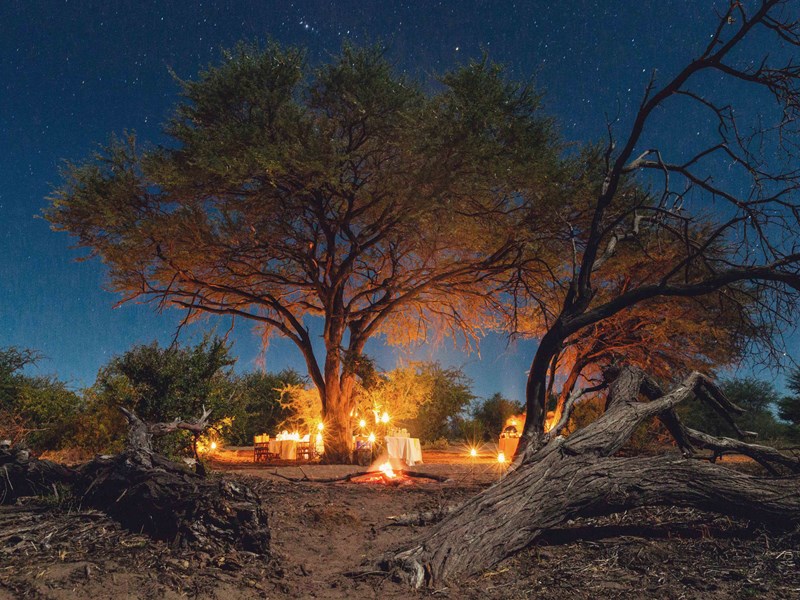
point(493, 412)
point(472, 432)
point(587, 410)
point(450, 393)
point(257, 405)
point(400, 393)
point(159, 385)
point(36, 410)
point(758, 398)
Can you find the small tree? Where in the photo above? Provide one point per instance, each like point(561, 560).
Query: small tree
point(400, 393)
point(36, 410)
point(160, 385)
point(450, 394)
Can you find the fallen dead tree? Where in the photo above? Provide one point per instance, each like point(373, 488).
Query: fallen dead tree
point(147, 492)
point(21, 476)
point(654, 231)
point(563, 478)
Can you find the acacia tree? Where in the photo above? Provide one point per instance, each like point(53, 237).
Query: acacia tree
point(348, 195)
point(667, 337)
point(732, 206)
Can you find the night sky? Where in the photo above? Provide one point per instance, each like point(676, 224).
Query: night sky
point(74, 72)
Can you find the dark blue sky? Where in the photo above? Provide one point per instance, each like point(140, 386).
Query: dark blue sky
point(74, 72)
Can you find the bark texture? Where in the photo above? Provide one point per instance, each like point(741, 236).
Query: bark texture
point(21, 476)
point(147, 492)
point(561, 478)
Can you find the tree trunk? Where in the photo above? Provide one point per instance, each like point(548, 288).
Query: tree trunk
point(338, 434)
point(337, 408)
point(536, 388)
point(578, 476)
point(566, 390)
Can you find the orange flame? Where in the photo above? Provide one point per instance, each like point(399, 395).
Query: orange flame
point(386, 469)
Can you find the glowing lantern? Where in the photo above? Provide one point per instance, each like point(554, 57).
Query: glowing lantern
point(473, 453)
point(501, 457)
point(371, 438)
point(213, 445)
point(362, 423)
point(385, 417)
point(321, 426)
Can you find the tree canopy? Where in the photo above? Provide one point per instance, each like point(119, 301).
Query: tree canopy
point(343, 192)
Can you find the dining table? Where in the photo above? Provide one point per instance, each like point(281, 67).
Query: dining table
point(286, 449)
point(407, 449)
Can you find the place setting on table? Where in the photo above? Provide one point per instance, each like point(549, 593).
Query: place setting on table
point(397, 444)
point(400, 446)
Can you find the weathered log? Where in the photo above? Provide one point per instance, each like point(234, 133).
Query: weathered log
point(579, 476)
point(170, 503)
point(147, 492)
point(21, 476)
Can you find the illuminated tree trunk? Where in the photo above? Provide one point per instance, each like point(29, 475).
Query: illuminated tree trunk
point(536, 388)
point(337, 413)
point(337, 398)
point(566, 390)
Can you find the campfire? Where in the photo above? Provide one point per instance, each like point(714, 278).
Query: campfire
point(384, 473)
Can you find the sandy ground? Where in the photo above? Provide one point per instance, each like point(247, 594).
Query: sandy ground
point(323, 535)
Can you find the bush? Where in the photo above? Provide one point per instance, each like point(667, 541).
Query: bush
point(257, 406)
point(439, 444)
point(159, 385)
point(38, 411)
point(758, 398)
point(493, 414)
point(451, 393)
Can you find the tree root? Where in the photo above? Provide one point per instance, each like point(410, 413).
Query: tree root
point(146, 492)
point(579, 476)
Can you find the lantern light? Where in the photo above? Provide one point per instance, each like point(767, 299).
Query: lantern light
point(501, 457)
point(213, 445)
point(362, 423)
point(371, 438)
point(320, 425)
point(473, 453)
point(385, 417)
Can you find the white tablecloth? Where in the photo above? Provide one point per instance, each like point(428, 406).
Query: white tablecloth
point(405, 449)
point(286, 449)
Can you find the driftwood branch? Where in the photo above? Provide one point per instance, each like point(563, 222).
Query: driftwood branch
point(580, 476)
point(139, 446)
